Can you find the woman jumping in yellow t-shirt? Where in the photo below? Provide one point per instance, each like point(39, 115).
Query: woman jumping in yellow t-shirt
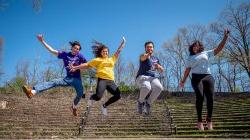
point(104, 72)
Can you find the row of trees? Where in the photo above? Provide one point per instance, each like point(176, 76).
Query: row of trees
point(231, 69)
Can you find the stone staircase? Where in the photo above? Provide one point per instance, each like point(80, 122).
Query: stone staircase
point(231, 116)
point(48, 116)
point(123, 121)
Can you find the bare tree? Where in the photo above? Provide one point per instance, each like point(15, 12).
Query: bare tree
point(130, 72)
point(165, 76)
point(238, 21)
point(54, 69)
point(177, 49)
point(35, 73)
point(229, 73)
point(22, 70)
point(119, 70)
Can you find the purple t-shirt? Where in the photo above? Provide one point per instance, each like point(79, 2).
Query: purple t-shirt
point(76, 60)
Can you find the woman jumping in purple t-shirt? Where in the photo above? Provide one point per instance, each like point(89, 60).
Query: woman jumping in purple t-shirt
point(75, 58)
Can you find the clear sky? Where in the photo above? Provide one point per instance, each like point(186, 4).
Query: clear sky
point(107, 21)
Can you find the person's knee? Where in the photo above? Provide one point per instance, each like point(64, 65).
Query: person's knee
point(160, 87)
point(79, 92)
point(199, 101)
point(118, 96)
point(145, 87)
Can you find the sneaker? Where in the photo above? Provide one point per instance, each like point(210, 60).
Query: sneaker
point(209, 125)
point(90, 102)
point(147, 108)
point(27, 91)
point(83, 96)
point(200, 126)
point(104, 110)
point(139, 107)
point(73, 111)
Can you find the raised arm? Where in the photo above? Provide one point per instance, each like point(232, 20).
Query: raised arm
point(186, 73)
point(222, 43)
point(48, 47)
point(120, 47)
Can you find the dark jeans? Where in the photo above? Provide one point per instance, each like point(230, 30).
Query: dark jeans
point(67, 81)
point(102, 85)
point(203, 84)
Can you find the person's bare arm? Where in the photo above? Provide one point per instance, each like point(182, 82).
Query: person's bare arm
point(186, 73)
point(222, 43)
point(145, 56)
point(48, 47)
point(122, 45)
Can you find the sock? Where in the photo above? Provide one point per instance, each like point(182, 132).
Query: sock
point(33, 92)
point(73, 105)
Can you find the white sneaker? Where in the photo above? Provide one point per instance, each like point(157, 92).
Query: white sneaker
point(90, 103)
point(200, 126)
point(104, 111)
point(209, 125)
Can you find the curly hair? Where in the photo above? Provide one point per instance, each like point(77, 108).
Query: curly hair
point(201, 48)
point(97, 48)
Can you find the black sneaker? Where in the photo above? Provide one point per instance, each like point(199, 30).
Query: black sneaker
point(140, 107)
point(147, 108)
point(83, 96)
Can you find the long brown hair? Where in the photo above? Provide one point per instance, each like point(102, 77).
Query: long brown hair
point(97, 48)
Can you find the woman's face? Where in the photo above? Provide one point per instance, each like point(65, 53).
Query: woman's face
point(149, 48)
point(196, 48)
point(105, 53)
point(75, 49)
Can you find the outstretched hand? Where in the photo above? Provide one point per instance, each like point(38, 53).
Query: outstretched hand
point(122, 43)
point(40, 37)
point(226, 32)
point(120, 47)
point(71, 67)
point(123, 40)
point(182, 84)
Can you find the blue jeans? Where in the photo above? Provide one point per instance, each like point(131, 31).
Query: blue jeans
point(67, 81)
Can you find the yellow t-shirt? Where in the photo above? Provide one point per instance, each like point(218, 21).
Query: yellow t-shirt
point(104, 67)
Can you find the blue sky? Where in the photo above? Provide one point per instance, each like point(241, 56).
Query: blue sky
point(104, 20)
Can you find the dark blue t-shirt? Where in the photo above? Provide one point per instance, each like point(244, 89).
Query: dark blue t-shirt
point(147, 67)
point(76, 60)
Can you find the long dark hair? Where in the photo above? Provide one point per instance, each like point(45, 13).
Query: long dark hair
point(97, 48)
point(201, 48)
point(73, 43)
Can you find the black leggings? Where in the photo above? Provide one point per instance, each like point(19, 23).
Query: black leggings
point(102, 85)
point(203, 84)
